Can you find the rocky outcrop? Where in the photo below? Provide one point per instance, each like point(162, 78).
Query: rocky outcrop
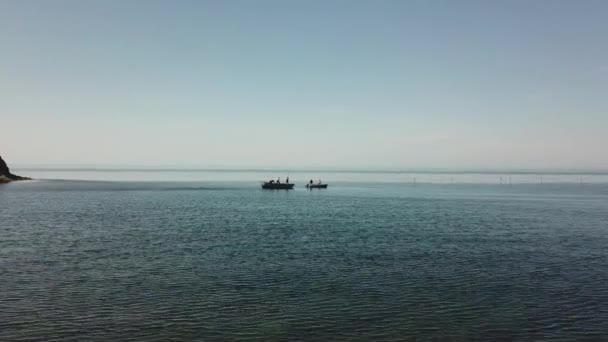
point(6, 175)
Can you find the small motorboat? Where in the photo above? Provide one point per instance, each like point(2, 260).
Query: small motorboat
point(316, 186)
point(277, 185)
point(319, 185)
point(273, 185)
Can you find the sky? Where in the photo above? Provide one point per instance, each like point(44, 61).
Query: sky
point(305, 84)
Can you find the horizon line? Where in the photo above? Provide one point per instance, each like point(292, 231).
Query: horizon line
point(513, 171)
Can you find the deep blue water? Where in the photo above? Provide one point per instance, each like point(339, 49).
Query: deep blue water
point(217, 260)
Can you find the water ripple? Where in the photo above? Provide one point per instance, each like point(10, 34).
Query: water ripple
point(167, 264)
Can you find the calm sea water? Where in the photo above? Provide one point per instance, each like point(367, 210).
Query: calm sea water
point(210, 256)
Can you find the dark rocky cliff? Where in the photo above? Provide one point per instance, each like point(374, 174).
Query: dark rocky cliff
point(6, 175)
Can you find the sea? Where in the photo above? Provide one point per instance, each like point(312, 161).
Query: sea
point(207, 255)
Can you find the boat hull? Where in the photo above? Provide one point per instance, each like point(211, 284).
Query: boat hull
point(316, 186)
point(277, 186)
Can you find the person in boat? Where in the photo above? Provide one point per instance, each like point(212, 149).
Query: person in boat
point(271, 181)
point(287, 180)
point(311, 182)
point(278, 180)
point(319, 181)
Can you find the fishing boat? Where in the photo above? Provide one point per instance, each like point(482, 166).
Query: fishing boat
point(319, 185)
point(316, 186)
point(272, 184)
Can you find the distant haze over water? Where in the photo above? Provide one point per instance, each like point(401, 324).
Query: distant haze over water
point(504, 177)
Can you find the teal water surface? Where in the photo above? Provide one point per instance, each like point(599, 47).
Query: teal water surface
point(363, 260)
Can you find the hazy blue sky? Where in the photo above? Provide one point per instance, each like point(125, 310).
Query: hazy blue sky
point(399, 84)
